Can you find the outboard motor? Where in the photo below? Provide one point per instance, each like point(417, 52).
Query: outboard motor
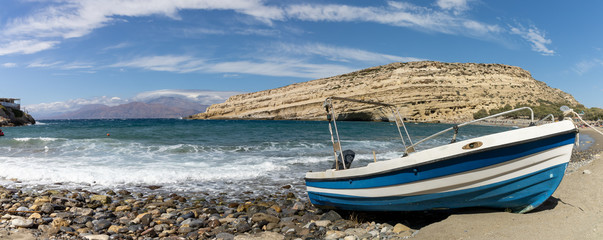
point(348, 157)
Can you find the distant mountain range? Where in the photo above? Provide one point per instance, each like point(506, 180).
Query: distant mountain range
point(162, 107)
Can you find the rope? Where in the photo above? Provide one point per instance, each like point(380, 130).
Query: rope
point(576, 114)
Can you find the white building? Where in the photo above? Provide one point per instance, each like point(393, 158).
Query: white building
point(14, 103)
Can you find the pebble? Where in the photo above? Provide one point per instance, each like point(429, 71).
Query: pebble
point(22, 223)
point(117, 214)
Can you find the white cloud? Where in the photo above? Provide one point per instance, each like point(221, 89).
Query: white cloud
point(25, 46)
point(9, 65)
point(44, 29)
point(70, 19)
point(168, 63)
point(585, 66)
point(458, 6)
point(77, 65)
point(43, 64)
point(396, 14)
point(535, 37)
point(205, 97)
point(343, 54)
point(117, 46)
point(295, 61)
point(282, 67)
point(53, 108)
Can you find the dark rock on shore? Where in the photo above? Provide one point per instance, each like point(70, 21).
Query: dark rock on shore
point(106, 215)
point(10, 117)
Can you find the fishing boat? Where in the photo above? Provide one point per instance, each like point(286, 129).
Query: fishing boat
point(515, 170)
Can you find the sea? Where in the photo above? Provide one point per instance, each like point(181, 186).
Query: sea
point(187, 156)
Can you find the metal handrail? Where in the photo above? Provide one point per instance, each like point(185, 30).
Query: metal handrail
point(474, 121)
point(544, 118)
point(397, 117)
point(328, 104)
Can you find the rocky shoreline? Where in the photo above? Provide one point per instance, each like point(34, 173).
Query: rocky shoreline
point(10, 117)
point(80, 214)
point(121, 214)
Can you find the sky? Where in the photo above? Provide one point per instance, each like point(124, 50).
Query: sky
point(57, 55)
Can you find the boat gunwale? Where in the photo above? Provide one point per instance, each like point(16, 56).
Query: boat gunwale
point(463, 154)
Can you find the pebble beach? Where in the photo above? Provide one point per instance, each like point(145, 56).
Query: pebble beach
point(287, 214)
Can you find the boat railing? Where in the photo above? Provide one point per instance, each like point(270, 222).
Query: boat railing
point(332, 116)
point(399, 120)
point(544, 118)
point(456, 127)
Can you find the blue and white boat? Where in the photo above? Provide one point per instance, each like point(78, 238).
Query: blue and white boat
point(516, 170)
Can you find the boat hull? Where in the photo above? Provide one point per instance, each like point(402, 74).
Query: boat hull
point(517, 173)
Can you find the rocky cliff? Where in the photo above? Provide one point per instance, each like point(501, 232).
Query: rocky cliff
point(424, 91)
point(12, 117)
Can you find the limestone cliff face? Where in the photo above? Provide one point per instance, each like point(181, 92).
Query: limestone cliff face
point(424, 91)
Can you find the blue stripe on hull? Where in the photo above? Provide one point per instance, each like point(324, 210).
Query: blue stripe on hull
point(519, 194)
point(446, 167)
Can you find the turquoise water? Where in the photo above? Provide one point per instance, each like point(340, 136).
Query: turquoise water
point(189, 156)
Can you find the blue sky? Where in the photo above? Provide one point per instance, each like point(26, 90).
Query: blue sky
point(61, 54)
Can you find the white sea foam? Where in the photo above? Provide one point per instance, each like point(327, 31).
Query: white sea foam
point(76, 155)
point(43, 139)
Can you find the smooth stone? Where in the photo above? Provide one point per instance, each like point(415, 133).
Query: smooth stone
point(124, 192)
point(22, 209)
point(81, 211)
point(332, 234)
point(52, 231)
point(41, 200)
point(255, 209)
point(145, 219)
point(298, 206)
point(276, 208)
point(323, 223)
point(47, 208)
point(60, 222)
point(331, 215)
point(405, 234)
point(114, 228)
point(123, 208)
point(67, 229)
point(270, 226)
point(161, 227)
point(184, 230)
point(224, 236)
point(102, 225)
point(135, 228)
point(22, 223)
point(227, 220)
point(82, 219)
point(96, 237)
point(400, 228)
point(264, 217)
point(260, 236)
point(355, 231)
point(213, 223)
point(242, 227)
point(187, 215)
point(101, 198)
